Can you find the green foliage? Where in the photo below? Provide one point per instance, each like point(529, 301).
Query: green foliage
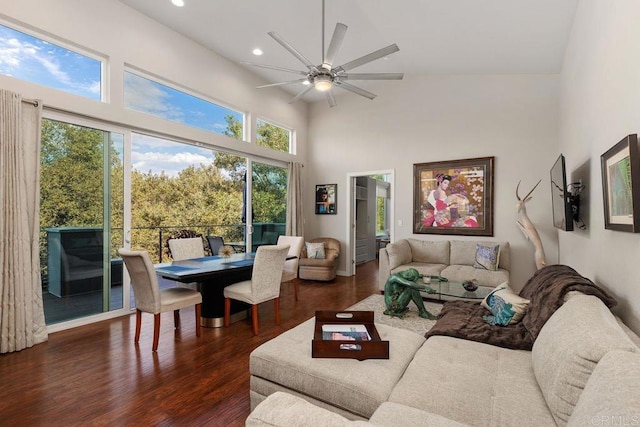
point(206, 197)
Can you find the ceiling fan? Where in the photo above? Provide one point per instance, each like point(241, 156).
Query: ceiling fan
point(325, 76)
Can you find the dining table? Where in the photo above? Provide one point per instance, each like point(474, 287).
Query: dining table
point(213, 274)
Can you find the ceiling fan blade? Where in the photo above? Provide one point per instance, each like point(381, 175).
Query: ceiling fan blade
point(301, 94)
point(380, 53)
point(334, 45)
point(355, 89)
point(371, 76)
point(331, 99)
point(282, 83)
point(292, 50)
point(273, 67)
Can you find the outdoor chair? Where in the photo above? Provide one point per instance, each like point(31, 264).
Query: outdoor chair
point(215, 244)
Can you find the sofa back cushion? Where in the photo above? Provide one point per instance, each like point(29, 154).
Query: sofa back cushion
point(399, 253)
point(569, 346)
point(612, 394)
point(429, 251)
point(463, 252)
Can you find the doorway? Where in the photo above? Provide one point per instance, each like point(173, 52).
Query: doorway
point(369, 215)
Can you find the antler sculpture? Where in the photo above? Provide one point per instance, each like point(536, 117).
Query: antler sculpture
point(527, 227)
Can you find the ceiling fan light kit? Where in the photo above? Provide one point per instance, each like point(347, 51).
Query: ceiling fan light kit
point(324, 77)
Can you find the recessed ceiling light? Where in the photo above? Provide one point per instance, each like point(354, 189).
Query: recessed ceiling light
point(306, 82)
point(178, 3)
point(257, 51)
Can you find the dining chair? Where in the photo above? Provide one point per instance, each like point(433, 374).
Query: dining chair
point(149, 298)
point(263, 286)
point(290, 271)
point(187, 248)
point(215, 243)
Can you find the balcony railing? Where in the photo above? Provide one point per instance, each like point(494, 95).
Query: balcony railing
point(153, 239)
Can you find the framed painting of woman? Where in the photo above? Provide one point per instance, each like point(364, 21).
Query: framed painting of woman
point(453, 197)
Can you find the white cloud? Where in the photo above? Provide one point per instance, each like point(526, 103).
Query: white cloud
point(143, 95)
point(169, 163)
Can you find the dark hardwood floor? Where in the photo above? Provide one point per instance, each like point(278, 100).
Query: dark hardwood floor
point(95, 375)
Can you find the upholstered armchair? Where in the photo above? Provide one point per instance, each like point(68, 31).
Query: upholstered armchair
point(320, 269)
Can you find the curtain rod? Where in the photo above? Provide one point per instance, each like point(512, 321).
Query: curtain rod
point(34, 102)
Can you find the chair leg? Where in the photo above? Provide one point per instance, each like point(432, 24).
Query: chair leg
point(227, 312)
point(176, 319)
point(254, 317)
point(198, 311)
point(295, 288)
point(138, 324)
point(156, 331)
point(276, 308)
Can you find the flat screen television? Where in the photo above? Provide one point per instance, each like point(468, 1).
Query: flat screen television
point(561, 199)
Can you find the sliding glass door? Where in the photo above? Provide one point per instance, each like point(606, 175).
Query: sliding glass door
point(81, 220)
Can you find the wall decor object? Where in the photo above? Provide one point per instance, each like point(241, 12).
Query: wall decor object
point(454, 197)
point(621, 185)
point(326, 199)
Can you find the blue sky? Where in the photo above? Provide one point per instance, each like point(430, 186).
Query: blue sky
point(28, 58)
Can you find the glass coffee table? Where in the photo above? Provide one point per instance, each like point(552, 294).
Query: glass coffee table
point(456, 290)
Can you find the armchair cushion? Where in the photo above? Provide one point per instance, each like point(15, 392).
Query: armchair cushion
point(315, 250)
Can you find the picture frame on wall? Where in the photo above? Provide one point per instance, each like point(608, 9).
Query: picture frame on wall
point(620, 167)
point(326, 199)
point(454, 197)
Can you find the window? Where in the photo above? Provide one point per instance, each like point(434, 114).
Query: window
point(38, 61)
point(272, 136)
point(150, 97)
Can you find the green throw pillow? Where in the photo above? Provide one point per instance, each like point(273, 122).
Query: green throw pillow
point(506, 306)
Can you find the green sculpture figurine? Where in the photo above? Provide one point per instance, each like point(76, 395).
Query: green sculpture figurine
point(400, 289)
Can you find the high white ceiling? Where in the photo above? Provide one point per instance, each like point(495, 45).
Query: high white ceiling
point(435, 36)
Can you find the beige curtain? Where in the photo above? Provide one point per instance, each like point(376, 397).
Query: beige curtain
point(22, 322)
point(295, 226)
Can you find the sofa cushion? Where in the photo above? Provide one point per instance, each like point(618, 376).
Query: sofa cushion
point(463, 252)
point(424, 269)
point(429, 252)
point(487, 257)
point(357, 387)
point(612, 394)
point(506, 306)
point(399, 253)
point(283, 409)
point(569, 346)
point(473, 383)
point(394, 414)
point(461, 273)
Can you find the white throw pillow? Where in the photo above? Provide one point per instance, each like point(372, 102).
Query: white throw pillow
point(506, 306)
point(315, 250)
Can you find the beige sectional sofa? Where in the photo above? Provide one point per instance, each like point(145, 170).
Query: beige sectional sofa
point(453, 259)
point(584, 369)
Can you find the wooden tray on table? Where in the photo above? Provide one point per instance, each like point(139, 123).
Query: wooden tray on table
point(347, 335)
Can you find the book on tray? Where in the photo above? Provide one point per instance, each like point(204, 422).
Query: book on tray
point(345, 332)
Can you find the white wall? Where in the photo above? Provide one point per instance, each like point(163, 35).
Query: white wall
point(600, 105)
point(125, 37)
point(435, 118)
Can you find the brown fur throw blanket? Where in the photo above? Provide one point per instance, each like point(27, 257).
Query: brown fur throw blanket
point(546, 290)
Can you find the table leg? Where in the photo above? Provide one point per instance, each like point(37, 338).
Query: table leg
point(213, 300)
